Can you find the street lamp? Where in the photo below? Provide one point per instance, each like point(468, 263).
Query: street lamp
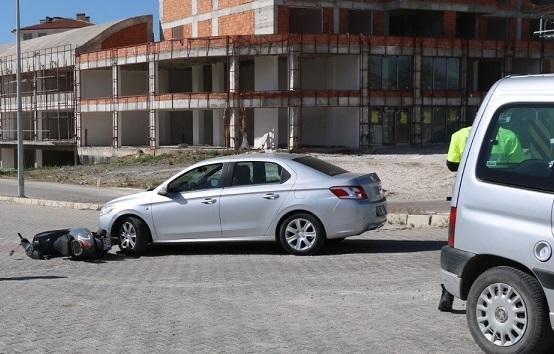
point(20, 159)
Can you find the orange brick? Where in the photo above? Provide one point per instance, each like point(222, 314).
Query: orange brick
point(187, 31)
point(176, 9)
point(237, 24)
point(205, 28)
point(230, 3)
point(203, 6)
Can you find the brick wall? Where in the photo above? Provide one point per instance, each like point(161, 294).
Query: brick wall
point(343, 21)
point(187, 31)
point(229, 3)
point(203, 6)
point(328, 20)
point(282, 19)
point(236, 24)
point(378, 23)
point(176, 9)
point(136, 34)
point(449, 24)
point(205, 28)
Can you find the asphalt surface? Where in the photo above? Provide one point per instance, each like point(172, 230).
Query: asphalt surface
point(64, 192)
point(88, 194)
point(376, 293)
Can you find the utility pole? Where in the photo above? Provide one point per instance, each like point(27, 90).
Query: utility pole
point(20, 159)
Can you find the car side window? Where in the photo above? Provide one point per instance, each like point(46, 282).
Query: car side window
point(203, 177)
point(258, 172)
point(518, 149)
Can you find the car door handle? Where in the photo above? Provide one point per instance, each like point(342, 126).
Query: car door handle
point(209, 201)
point(271, 196)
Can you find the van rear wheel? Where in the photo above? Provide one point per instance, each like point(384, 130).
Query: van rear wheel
point(507, 313)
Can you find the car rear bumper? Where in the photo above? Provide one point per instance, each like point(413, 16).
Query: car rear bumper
point(352, 218)
point(453, 264)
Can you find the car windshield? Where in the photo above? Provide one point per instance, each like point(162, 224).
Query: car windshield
point(322, 166)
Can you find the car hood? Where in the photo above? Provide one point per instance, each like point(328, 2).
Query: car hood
point(136, 197)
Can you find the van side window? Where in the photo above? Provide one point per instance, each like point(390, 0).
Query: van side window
point(518, 149)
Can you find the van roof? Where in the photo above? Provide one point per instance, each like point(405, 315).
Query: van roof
point(527, 85)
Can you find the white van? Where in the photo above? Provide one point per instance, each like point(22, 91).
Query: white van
point(499, 253)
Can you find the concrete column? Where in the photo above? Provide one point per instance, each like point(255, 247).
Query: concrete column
point(197, 115)
point(266, 120)
point(154, 119)
point(294, 112)
point(364, 99)
point(38, 158)
point(234, 105)
point(78, 118)
point(39, 125)
point(116, 116)
point(8, 158)
point(218, 85)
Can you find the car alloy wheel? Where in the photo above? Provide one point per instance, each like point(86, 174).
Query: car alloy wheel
point(300, 234)
point(128, 236)
point(501, 314)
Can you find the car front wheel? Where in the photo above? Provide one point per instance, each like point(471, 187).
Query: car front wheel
point(302, 234)
point(507, 313)
point(133, 235)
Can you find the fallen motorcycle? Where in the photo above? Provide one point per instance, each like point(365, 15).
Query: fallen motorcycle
point(77, 244)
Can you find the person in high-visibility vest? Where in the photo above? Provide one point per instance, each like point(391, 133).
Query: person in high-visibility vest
point(456, 149)
point(506, 150)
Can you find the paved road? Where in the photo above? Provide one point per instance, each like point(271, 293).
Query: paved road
point(64, 192)
point(376, 294)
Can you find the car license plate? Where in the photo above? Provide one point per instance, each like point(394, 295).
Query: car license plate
point(107, 242)
point(381, 210)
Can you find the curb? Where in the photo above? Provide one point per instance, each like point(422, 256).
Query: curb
point(419, 221)
point(52, 203)
point(407, 220)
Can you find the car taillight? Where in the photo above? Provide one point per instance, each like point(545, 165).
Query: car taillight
point(349, 192)
point(452, 227)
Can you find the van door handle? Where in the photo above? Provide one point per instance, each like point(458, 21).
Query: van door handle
point(271, 196)
point(209, 201)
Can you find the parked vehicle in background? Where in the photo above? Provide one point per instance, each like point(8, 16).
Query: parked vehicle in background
point(499, 251)
point(297, 200)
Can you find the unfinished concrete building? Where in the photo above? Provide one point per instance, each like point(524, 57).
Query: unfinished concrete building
point(297, 74)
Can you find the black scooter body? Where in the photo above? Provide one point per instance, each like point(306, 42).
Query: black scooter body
point(75, 243)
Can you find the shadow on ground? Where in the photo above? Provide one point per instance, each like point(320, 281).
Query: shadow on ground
point(32, 278)
point(345, 247)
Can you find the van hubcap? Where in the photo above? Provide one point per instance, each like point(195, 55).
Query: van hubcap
point(300, 234)
point(501, 315)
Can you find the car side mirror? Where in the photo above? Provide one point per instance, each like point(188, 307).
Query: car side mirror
point(163, 191)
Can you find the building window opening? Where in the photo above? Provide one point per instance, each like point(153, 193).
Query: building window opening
point(466, 25)
point(497, 28)
point(416, 23)
point(359, 22)
point(390, 72)
point(440, 73)
point(438, 124)
point(305, 20)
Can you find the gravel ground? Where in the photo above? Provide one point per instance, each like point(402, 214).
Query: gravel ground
point(405, 177)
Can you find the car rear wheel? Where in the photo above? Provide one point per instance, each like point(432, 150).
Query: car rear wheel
point(302, 234)
point(133, 235)
point(507, 313)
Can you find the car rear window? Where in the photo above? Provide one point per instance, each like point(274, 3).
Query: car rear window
point(322, 166)
point(518, 149)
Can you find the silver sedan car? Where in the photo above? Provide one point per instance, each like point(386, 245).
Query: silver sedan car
point(297, 200)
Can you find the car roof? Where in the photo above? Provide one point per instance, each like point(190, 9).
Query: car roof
point(526, 85)
point(255, 157)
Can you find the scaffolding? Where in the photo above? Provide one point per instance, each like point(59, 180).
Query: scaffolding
point(546, 26)
point(47, 94)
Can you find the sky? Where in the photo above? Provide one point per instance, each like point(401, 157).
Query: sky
point(99, 11)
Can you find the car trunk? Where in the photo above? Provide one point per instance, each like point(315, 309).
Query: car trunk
point(369, 182)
